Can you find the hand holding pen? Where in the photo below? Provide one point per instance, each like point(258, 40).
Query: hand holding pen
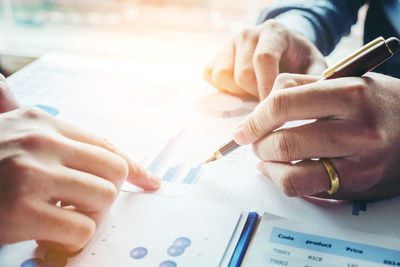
point(356, 133)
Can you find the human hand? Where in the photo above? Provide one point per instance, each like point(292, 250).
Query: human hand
point(357, 127)
point(8, 101)
point(43, 161)
point(248, 65)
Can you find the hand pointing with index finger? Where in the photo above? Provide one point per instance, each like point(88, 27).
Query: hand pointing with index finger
point(43, 161)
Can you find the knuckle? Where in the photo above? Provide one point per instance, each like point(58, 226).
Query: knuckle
point(219, 76)
point(283, 145)
point(359, 90)
point(272, 24)
point(284, 80)
point(109, 193)
point(33, 113)
point(277, 105)
point(264, 57)
point(375, 135)
point(17, 164)
point(83, 232)
point(34, 139)
point(287, 185)
point(19, 182)
point(122, 168)
point(248, 34)
point(355, 92)
point(245, 34)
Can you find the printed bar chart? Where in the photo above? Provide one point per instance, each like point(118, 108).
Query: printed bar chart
point(162, 157)
point(172, 173)
point(165, 153)
point(193, 174)
point(171, 169)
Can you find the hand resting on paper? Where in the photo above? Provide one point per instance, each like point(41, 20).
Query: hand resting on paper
point(357, 126)
point(249, 65)
point(43, 161)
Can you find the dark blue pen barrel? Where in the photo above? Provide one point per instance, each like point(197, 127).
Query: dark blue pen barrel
point(364, 62)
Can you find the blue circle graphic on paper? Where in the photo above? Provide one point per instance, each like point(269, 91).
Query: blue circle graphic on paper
point(35, 262)
point(138, 253)
point(48, 109)
point(167, 264)
point(175, 251)
point(182, 242)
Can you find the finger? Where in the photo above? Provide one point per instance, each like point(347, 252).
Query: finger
point(288, 80)
point(244, 73)
point(337, 98)
point(85, 191)
point(137, 175)
point(357, 177)
point(223, 71)
point(207, 75)
point(69, 229)
point(378, 192)
point(268, 52)
point(321, 139)
point(95, 160)
point(304, 178)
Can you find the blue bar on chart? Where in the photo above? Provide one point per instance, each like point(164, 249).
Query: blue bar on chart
point(52, 111)
point(191, 177)
point(159, 161)
point(172, 173)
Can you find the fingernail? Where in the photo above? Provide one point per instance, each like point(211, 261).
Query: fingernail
point(154, 180)
point(239, 136)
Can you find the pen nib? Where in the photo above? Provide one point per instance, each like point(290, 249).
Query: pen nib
point(210, 159)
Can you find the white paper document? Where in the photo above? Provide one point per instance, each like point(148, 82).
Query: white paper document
point(170, 121)
point(281, 242)
point(146, 230)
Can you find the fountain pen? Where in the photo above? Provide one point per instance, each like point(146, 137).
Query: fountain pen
point(356, 64)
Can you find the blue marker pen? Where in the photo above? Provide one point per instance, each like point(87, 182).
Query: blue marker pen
point(244, 240)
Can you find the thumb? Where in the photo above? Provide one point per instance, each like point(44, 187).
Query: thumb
point(254, 126)
point(268, 115)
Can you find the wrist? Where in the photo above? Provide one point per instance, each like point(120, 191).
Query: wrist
point(299, 24)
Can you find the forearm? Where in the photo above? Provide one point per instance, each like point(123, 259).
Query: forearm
point(323, 22)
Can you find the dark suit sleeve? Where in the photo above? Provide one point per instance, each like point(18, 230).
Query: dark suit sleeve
point(323, 22)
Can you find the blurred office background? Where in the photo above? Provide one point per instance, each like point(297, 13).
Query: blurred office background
point(178, 30)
